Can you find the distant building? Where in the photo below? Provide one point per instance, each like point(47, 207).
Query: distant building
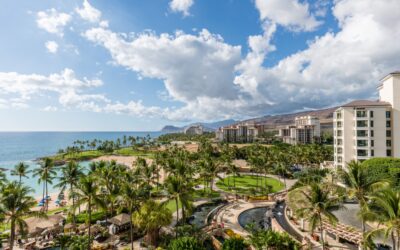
point(241, 132)
point(364, 129)
point(305, 130)
point(194, 130)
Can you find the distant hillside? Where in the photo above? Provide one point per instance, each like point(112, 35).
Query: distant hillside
point(325, 116)
point(207, 126)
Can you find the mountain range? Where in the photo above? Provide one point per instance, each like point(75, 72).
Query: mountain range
point(325, 116)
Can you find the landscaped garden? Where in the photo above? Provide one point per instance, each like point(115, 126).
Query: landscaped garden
point(250, 185)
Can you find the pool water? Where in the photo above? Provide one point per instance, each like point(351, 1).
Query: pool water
point(256, 217)
point(199, 217)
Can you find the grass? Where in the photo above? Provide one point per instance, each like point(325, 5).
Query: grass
point(129, 151)
point(247, 184)
point(171, 205)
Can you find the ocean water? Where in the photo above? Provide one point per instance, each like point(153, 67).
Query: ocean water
point(28, 146)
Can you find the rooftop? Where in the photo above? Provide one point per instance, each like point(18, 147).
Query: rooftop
point(365, 103)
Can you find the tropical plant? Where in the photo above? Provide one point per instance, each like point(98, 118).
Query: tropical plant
point(151, 217)
point(79, 243)
point(15, 206)
point(21, 170)
point(70, 175)
point(318, 202)
point(62, 241)
point(269, 239)
point(88, 193)
point(46, 174)
point(185, 243)
point(234, 243)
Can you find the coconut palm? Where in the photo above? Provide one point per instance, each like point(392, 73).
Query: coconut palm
point(88, 193)
point(151, 217)
point(70, 175)
point(385, 209)
point(46, 174)
point(318, 203)
point(20, 170)
point(3, 178)
point(15, 205)
point(360, 186)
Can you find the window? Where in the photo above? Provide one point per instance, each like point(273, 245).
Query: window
point(362, 124)
point(362, 152)
point(388, 152)
point(338, 115)
point(372, 133)
point(388, 133)
point(388, 143)
point(371, 124)
point(339, 150)
point(372, 143)
point(339, 142)
point(362, 143)
point(371, 113)
point(362, 133)
point(361, 113)
point(388, 124)
point(339, 132)
point(339, 124)
point(387, 114)
point(372, 153)
point(339, 159)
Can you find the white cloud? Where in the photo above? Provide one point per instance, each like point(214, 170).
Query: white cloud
point(181, 6)
point(52, 21)
point(291, 14)
point(50, 109)
point(18, 89)
point(89, 13)
point(51, 46)
point(213, 80)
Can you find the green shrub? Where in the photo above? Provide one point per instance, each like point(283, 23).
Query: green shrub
point(185, 243)
point(83, 217)
point(383, 169)
point(234, 244)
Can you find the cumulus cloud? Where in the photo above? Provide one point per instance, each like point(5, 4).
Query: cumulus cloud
point(51, 46)
point(52, 21)
point(18, 89)
point(50, 109)
point(89, 13)
point(292, 14)
point(182, 6)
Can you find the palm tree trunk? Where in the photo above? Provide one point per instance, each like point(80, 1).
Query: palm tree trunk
point(47, 201)
point(90, 221)
point(322, 232)
point(20, 179)
point(12, 235)
point(131, 228)
point(393, 241)
point(73, 206)
point(177, 212)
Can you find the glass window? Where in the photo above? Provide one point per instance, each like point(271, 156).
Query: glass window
point(387, 114)
point(388, 124)
point(372, 143)
point(388, 133)
point(362, 143)
point(339, 142)
point(372, 133)
point(371, 123)
point(361, 113)
point(362, 123)
point(339, 159)
point(388, 152)
point(388, 143)
point(339, 124)
point(340, 150)
point(339, 132)
point(362, 133)
point(372, 153)
point(362, 152)
point(338, 115)
point(371, 113)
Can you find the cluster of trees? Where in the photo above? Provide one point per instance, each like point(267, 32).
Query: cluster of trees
point(376, 192)
point(107, 146)
point(167, 138)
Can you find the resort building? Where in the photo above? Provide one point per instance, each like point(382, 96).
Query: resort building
point(365, 129)
point(306, 130)
point(242, 132)
point(194, 130)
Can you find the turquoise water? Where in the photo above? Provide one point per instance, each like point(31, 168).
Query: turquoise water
point(28, 146)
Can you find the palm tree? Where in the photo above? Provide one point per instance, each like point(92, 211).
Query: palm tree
point(3, 178)
point(151, 217)
point(318, 203)
point(360, 186)
point(88, 192)
point(21, 170)
point(70, 175)
point(385, 209)
point(15, 205)
point(46, 174)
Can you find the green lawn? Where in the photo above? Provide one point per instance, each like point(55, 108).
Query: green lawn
point(247, 184)
point(171, 205)
point(133, 152)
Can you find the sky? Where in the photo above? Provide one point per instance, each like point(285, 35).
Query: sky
point(137, 65)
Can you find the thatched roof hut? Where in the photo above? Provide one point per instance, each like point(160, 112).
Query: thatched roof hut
point(36, 225)
point(120, 220)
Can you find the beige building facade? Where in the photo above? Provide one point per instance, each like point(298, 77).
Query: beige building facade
point(306, 130)
point(364, 129)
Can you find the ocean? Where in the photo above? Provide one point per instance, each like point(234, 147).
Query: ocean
point(28, 146)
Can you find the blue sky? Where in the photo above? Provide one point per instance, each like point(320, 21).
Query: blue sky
point(139, 65)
